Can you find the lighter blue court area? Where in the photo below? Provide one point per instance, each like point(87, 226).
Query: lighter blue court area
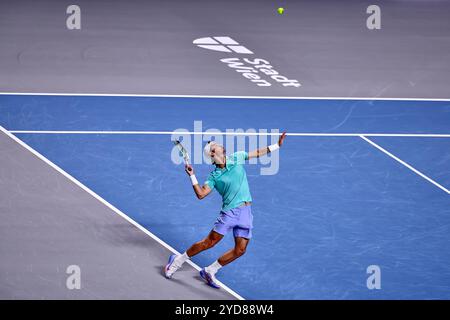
point(336, 205)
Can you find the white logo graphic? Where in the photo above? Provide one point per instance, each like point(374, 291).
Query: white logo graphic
point(223, 44)
point(73, 22)
point(258, 71)
point(233, 140)
point(74, 279)
point(374, 280)
point(374, 20)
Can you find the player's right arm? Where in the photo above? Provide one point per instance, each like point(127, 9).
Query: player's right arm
point(200, 192)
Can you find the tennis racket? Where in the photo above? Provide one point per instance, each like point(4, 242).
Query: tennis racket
point(183, 151)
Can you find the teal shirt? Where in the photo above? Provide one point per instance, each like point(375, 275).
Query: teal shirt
point(231, 181)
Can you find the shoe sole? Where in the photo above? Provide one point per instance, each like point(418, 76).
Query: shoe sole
point(205, 277)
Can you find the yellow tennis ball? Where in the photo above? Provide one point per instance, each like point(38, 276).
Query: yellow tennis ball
point(280, 10)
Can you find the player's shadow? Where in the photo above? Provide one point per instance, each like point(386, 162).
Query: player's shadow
point(126, 234)
point(184, 270)
point(197, 287)
point(180, 271)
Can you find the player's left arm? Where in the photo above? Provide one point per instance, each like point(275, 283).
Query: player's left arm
point(260, 152)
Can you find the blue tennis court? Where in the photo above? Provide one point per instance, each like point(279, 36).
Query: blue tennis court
point(358, 183)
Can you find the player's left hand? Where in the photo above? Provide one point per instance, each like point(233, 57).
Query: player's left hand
point(281, 139)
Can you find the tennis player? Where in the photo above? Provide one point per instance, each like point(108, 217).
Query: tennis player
point(230, 180)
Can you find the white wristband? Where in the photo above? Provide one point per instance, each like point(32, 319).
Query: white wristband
point(273, 147)
point(193, 179)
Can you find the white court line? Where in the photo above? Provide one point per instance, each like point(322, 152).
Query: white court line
point(297, 134)
point(214, 96)
point(405, 164)
point(110, 206)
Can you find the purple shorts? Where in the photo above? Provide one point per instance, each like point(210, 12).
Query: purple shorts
point(239, 219)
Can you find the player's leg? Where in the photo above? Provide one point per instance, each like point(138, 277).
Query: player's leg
point(209, 273)
point(176, 261)
point(222, 226)
point(242, 230)
point(240, 246)
point(242, 233)
point(210, 241)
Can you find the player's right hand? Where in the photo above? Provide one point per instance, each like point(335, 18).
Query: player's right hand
point(189, 170)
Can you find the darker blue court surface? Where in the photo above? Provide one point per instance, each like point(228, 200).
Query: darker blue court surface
point(335, 206)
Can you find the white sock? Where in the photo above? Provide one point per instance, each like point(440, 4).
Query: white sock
point(179, 260)
point(214, 267)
